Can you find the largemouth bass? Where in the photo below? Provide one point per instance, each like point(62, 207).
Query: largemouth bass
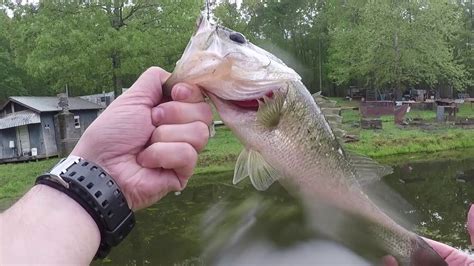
point(288, 139)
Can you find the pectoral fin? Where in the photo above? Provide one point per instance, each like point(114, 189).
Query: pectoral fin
point(241, 170)
point(269, 110)
point(251, 163)
point(262, 175)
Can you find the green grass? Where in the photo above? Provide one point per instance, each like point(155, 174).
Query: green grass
point(400, 159)
point(16, 179)
point(219, 155)
point(395, 140)
point(222, 151)
point(465, 110)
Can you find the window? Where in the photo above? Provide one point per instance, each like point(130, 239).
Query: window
point(77, 122)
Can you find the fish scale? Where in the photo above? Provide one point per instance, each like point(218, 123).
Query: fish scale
point(303, 134)
point(308, 139)
point(287, 139)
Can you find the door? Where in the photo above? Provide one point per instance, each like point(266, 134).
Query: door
point(23, 140)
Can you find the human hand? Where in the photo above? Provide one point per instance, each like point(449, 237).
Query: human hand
point(148, 146)
point(451, 255)
point(470, 223)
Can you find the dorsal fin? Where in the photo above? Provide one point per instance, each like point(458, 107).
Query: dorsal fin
point(367, 169)
point(323, 101)
point(332, 113)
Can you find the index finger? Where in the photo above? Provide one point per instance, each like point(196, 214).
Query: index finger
point(187, 93)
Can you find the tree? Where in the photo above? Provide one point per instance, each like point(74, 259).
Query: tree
point(464, 41)
point(10, 75)
point(91, 46)
point(94, 46)
point(377, 44)
point(397, 44)
point(295, 31)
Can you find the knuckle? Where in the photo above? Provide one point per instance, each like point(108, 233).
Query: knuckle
point(157, 134)
point(173, 110)
point(188, 153)
point(202, 134)
point(154, 70)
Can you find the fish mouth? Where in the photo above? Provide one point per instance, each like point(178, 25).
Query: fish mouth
point(246, 104)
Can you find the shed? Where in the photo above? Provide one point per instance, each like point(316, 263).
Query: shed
point(27, 127)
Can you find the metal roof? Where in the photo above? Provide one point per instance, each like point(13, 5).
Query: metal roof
point(50, 104)
point(19, 119)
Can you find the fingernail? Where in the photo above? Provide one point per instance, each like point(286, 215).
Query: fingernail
point(182, 93)
point(157, 115)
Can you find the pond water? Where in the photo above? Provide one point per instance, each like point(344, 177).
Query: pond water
point(181, 228)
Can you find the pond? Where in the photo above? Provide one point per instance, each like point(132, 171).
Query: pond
point(178, 230)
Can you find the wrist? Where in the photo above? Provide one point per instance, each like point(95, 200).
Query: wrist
point(63, 205)
point(85, 151)
point(45, 213)
point(97, 193)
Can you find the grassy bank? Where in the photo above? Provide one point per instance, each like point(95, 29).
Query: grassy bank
point(16, 179)
point(396, 140)
point(219, 155)
point(222, 150)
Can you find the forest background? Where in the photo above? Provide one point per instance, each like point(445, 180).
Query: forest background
point(92, 46)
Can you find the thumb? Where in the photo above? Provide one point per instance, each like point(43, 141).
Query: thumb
point(451, 255)
point(148, 87)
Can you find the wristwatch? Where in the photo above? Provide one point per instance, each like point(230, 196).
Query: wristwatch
point(95, 190)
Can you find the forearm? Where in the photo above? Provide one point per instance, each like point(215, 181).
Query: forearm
point(46, 226)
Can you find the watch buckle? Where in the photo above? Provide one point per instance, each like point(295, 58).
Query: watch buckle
point(61, 168)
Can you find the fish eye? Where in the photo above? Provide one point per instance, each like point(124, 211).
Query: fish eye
point(237, 37)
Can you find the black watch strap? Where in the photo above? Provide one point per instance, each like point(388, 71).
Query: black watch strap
point(91, 186)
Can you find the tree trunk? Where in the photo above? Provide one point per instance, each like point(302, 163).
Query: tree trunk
point(320, 66)
point(116, 77)
point(398, 84)
point(117, 22)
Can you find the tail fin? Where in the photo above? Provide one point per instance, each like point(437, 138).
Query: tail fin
point(423, 254)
